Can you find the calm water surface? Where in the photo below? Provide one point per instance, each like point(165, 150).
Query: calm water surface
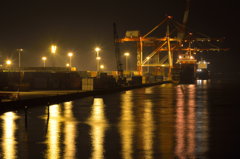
point(167, 121)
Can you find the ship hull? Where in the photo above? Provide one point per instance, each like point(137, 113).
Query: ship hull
point(184, 73)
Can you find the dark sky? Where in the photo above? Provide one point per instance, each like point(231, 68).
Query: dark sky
point(83, 25)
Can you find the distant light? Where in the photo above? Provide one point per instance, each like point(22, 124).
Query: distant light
point(126, 54)
point(97, 49)
point(98, 58)
point(67, 65)
point(53, 49)
point(102, 66)
point(199, 70)
point(191, 57)
point(148, 57)
point(20, 50)
point(180, 57)
point(8, 62)
point(44, 58)
point(70, 54)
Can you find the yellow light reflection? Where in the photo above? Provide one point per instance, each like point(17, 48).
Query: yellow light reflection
point(69, 131)
point(149, 90)
point(126, 125)
point(99, 124)
point(8, 138)
point(164, 118)
point(53, 134)
point(147, 130)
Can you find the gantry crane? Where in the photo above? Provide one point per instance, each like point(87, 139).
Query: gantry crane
point(170, 44)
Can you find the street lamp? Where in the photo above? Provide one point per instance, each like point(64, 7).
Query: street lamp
point(44, 58)
point(97, 49)
point(70, 54)
point(148, 59)
point(98, 58)
point(126, 54)
point(53, 51)
point(19, 56)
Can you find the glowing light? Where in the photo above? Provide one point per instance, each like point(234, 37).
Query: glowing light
point(97, 49)
point(98, 58)
point(191, 57)
point(53, 49)
point(8, 62)
point(44, 58)
point(102, 66)
point(67, 65)
point(126, 54)
point(70, 54)
point(199, 70)
point(180, 57)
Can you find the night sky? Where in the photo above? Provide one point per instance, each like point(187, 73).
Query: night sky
point(83, 25)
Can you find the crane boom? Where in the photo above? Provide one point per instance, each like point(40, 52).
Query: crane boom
point(117, 51)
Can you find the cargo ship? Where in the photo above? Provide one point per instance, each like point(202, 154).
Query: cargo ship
point(184, 71)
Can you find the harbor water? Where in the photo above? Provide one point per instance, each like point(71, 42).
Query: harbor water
point(166, 121)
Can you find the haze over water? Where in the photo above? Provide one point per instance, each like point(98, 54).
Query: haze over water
point(166, 121)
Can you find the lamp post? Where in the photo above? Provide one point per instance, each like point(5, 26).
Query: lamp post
point(148, 58)
point(70, 54)
point(126, 54)
point(98, 58)
point(53, 51)
point(44, 60)
point(19, 57)
point(97, 49)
